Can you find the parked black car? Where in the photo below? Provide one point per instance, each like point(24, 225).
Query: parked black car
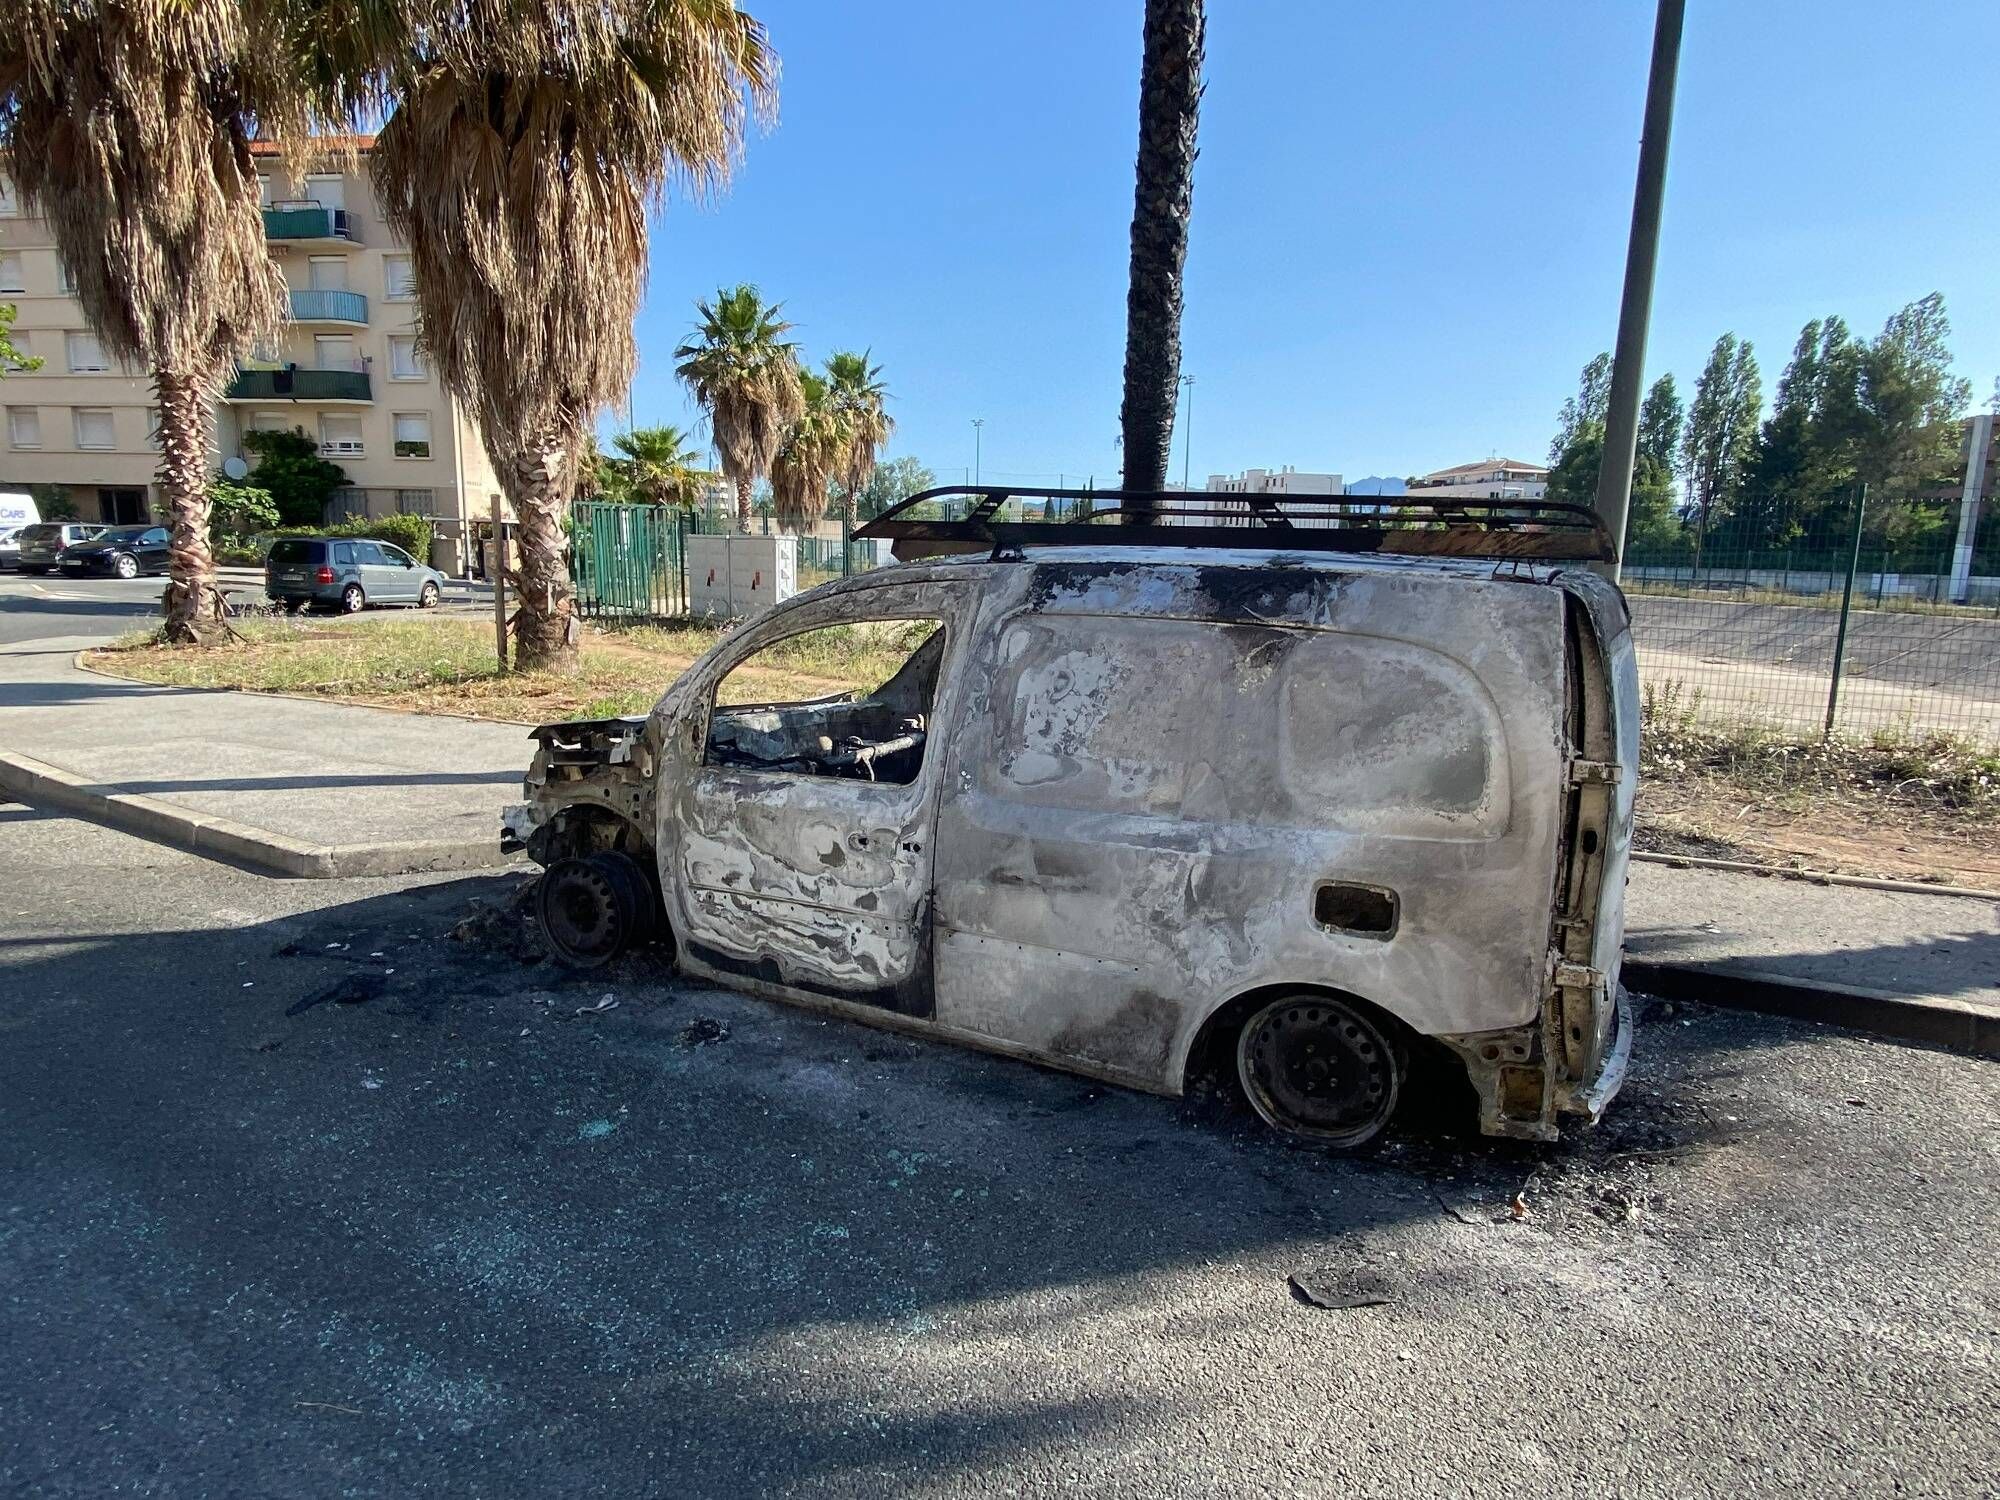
point(124, 551)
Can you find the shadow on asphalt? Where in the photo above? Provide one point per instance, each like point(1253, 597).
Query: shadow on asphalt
point(576, 1231)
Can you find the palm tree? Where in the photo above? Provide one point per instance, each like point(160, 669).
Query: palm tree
point(527, 140)
point(658, 466)
point(746, 376)
point(813, 450)
point(127, 124)
point(1169, 103)
point(859, 393)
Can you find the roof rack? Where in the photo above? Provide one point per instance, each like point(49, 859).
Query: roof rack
point(969, 518)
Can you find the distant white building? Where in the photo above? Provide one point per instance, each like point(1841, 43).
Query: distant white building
point(1285, 481)
point(1489, 479)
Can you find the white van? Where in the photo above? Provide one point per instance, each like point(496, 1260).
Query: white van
point(1290, 799)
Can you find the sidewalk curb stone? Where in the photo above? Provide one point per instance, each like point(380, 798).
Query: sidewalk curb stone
point(41, 784)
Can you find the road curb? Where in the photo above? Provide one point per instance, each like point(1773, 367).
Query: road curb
point(1935, 1021)
point(42, 785)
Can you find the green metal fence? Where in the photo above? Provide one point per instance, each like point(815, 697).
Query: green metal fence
point(629, 561)
point(1870, 622)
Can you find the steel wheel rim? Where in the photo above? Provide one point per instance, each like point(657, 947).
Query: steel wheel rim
point(429, 597)
point(581, 915)
point(1318, 1068)
point(125, 567)
point(351, 598)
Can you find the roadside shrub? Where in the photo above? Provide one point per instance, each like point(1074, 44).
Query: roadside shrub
point(291, 471)
point(411, 533)
point(238, 511)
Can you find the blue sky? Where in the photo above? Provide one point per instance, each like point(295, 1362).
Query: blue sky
point(1409, 221)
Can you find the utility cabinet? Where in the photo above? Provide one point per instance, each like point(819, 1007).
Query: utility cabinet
point(735, 577)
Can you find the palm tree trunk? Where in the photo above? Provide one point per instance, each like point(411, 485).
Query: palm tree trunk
point(192, 603)
point(1169, 104)
point(539, 477)
point(848, 496)
point(743, 503)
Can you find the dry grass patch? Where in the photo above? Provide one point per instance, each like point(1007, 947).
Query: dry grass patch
point(436, 665)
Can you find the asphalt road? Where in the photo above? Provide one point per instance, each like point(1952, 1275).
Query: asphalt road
point(454, 1238)
point(48, 608)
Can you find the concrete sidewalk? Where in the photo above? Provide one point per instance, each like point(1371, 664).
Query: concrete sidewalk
point(286, 785)
point(1922, 967)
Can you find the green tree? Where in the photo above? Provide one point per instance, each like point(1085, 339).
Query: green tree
point(238, 510)
point(11, 358)
point(524, 143)
point(815, 447)
point(1163, 200)
point(290, 470)
point(1892, 405)
point(53, 502)
point(745, 375)
point(862, 399)
point(1661, 418)
point(1721, 433)
point(1585, 410)
point(891, 484)
point(658, 468)
point(1573, 474)
point(127, 124)
point(1796, 463)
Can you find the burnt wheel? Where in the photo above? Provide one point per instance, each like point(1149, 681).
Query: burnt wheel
point(1320, 1068)
point(594, 908)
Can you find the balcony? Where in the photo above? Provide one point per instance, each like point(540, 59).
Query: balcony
point(307, 223)
point(329, 387)
point(329, 307)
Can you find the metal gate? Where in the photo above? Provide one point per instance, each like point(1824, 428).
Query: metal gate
point(629, 561)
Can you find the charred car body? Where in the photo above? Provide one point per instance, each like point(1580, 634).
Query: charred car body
point(1136, 800)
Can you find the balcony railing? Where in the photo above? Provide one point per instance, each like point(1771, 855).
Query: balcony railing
point(310, 221)
point(329, 307)
point(294, 384)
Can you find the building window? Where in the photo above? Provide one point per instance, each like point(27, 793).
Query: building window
point(404, 361)
point(24, 426)
point(340, 436)
point(399, 282)
point(327, 273)
point(413, 434)
point(333, 351)
point(10, 273)
point(328, 190)
point(153, 428)
point(416, 502)
point(10, 202)
point(94, 428)
point(86, 355)
point(263, 190)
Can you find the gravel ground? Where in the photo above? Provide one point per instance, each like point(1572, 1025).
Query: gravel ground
point(436, 1232)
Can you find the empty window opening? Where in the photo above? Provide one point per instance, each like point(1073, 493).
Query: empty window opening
point(849, 701)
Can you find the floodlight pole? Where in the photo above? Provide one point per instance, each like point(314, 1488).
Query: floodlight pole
point(1635, 310)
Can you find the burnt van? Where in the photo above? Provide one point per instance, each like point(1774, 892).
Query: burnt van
point(1161, 787)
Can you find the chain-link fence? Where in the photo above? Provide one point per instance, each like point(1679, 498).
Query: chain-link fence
point(1875, 623)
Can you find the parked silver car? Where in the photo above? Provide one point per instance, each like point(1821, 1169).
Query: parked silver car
point(347, 575)
point(1155, 800)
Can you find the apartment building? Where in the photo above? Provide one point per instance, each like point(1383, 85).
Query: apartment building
point(1488, 479)
point(347, 371)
